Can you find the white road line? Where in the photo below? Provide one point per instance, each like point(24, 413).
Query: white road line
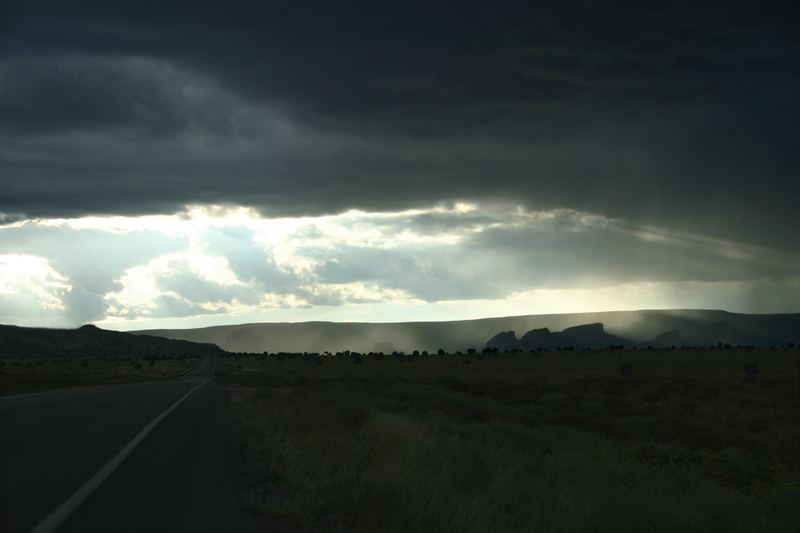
point(62, 512)
point(195, 367)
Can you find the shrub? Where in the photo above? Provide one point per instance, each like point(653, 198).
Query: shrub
point(626, 369)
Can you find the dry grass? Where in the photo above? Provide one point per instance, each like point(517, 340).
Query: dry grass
point(19, 376)
point(554, 442)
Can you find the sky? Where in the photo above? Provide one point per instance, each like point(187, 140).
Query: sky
point(181, 164)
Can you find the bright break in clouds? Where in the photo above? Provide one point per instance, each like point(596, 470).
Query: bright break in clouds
point(208, 265)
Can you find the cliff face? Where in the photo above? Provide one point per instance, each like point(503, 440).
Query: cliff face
point(669, 338)
point(594, 336)
point(582, 336)
point(542, 338)
point(505, 340)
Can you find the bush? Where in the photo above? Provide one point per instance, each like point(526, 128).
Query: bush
point(626, 369)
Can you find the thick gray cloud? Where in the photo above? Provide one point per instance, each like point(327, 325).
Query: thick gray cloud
point(681, 115)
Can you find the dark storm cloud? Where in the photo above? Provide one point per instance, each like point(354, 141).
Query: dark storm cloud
point(60, 94)
point(679, 114)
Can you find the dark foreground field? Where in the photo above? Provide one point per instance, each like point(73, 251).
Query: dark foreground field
point(554, 441)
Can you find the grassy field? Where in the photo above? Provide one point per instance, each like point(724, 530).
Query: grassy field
point(556, 441)
point(19, 376)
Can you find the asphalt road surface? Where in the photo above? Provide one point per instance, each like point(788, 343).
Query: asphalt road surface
point(179, 478)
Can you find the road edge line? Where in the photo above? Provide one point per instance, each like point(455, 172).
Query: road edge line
point(190, 370)
point(63, 511)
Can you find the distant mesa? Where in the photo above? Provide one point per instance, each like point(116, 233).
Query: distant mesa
point(505, 340)
point(708, 335)
point(667, 339)
point(598, 330)
point(729, 334)
point(591, 336)
point(584, 336)
point(542, 338)
point(594, 336)
point(91, 341)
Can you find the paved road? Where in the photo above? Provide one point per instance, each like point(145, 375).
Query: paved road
point(178, 479)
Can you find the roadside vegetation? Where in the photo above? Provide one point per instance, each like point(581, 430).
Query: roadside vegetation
point(691, 439)
point(18, 376)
